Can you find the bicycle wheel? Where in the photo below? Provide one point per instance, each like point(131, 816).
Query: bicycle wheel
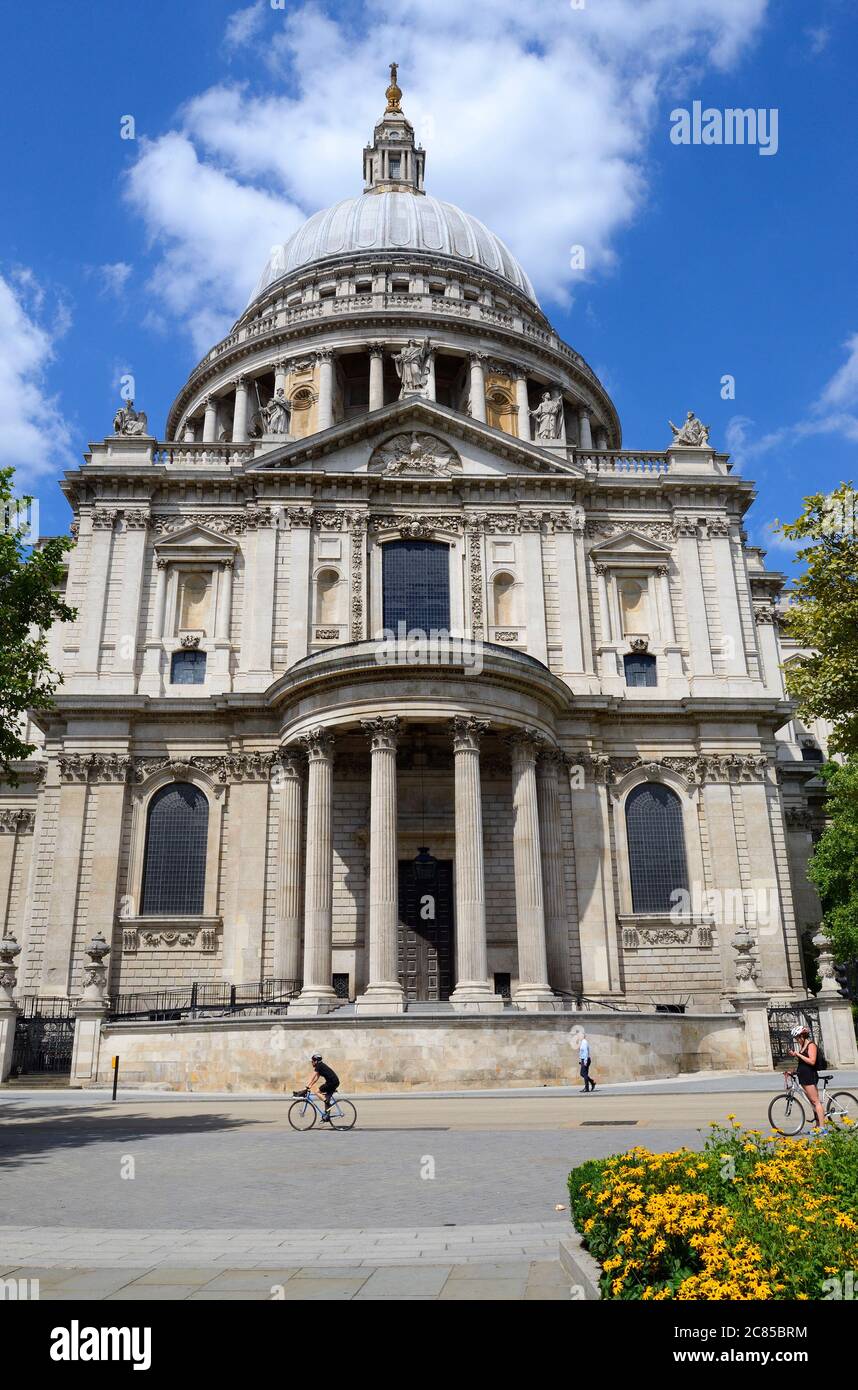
point(343, 1115)
point(842, 1110)
point(302, 1114)
point(786, 1115)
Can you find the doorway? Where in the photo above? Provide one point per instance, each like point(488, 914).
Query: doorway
point(425, 954)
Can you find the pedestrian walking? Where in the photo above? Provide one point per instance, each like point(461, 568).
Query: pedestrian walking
point(584, 1061)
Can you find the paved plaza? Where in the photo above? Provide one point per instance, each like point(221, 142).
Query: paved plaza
point(178, 1196)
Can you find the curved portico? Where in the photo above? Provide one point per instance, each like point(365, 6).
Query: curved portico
point(384, 699)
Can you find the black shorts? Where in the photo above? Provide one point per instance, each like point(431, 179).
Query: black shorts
point(806, 1075)
point(328, 1088)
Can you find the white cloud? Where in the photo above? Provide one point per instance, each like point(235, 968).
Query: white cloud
point(114, 277)
point(835, 411)
point(35, 437)
point(540, 126)
point(817, 39)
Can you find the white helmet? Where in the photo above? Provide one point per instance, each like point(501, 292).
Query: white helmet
point(799, 1028)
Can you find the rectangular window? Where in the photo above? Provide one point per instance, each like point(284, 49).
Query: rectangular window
point(416, 586)
point(188, 668)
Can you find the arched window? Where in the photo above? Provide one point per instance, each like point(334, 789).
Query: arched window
point(641, 669)
point(328, 597)
point(416, 586)
point(657, 864)
point(174, 863)
point(503, 588)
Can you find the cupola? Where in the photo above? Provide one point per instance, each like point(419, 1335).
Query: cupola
point(393, 162)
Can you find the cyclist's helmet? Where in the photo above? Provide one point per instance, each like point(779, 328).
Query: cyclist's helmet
point(316, 1057)
point(797, 1031)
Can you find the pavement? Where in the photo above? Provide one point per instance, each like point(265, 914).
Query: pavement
point(167, 1195)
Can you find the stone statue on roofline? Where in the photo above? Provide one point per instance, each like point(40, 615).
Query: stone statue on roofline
point(547, 416)
point(692, 433)
point(412, 367)
point(130, 422)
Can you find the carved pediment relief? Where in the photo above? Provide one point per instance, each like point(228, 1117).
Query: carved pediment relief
point(415, 455)
point(195, 542)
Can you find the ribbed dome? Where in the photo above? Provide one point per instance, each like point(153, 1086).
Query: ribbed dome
point(394, 221)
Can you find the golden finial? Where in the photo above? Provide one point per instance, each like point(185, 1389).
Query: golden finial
point(393, 93)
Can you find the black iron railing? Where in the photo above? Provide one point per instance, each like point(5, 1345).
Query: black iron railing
point(202, 998)
point(782, 1019)
point(44, 1036)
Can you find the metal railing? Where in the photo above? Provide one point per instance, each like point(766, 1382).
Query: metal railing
point(203, 998)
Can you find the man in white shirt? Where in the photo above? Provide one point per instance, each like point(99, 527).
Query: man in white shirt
point(584, 1064)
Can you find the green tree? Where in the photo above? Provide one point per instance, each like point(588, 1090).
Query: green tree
point(833, 866)
point(29, 604)
point(824, 614)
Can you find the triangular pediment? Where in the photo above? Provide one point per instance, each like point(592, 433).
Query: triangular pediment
point(194, 538)
point(434, 436)
point(633, 547)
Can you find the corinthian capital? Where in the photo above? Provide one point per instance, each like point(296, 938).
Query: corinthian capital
point(382, 732)
point(318, 744)
point(467, 732)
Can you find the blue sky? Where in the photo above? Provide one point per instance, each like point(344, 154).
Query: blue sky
point(552, 125)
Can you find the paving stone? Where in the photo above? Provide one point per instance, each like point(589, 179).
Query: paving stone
point(177, 1274)
point(483, 1289)
point(416, 1279)
point(150, 1292)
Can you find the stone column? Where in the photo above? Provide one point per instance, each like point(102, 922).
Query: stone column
point(688, 554)
point(478, 387)
point(281, 373)
point(259, 610)
point(288, 921)
point(765, 618)
point(210, 420)
point(326, 388)
point(473, 992)
point(521, 400)
point(224, 607)
point(239, 414)
point(244, 878)
point(532, 991)
point(666, 605)
point(92, 612)
point(733, 641)
point(136, 524)
point(66, 871)
point(317, 994)
point(9, 951)
point(601, 437)
point(585, 437)
point(376, 378)
point(384, 993)
point(429, 390)
point(553, 881)
point(160, 599)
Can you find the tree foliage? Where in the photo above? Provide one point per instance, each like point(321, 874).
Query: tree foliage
point(824, 614)
point(29, 605)
point(833, 867)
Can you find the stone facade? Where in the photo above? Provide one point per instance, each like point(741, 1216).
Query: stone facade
point(252, 540)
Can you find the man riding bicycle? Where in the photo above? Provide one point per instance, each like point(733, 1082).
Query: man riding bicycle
point(328, 1079)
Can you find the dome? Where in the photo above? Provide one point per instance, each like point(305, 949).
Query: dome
point(394, 221)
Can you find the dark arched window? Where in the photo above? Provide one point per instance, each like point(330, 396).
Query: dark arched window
point(640, 669)
point(416, 586)
point(656, 847)
point(174, 865)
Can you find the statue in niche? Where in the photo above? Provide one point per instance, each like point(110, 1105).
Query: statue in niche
point(412, 367)
point(693, 432)
point(276, 413)
point(547, 416)
point(128, 421)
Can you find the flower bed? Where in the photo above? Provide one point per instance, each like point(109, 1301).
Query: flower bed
point(747, 1218)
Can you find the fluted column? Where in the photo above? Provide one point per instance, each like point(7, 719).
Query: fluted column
point(287, 923)
point(384, 993)
point(523, 403)
point(239, 414)
point(376, 378)
point(553, 882)
point(478, 388)
point(210, 420)
point(532, 991)
point(281, 373)
point(585, 437)
point(473, 992)
point(326, 388)
point(317, 994)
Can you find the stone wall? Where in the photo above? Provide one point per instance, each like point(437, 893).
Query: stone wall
point(425, 1052)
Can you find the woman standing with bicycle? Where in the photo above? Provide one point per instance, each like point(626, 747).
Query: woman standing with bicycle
point(806, 1054)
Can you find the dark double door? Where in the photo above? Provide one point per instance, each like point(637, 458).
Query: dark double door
point(426, 965)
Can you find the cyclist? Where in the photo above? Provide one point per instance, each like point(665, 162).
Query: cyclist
point(329, 1081)
point(806, 1054)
